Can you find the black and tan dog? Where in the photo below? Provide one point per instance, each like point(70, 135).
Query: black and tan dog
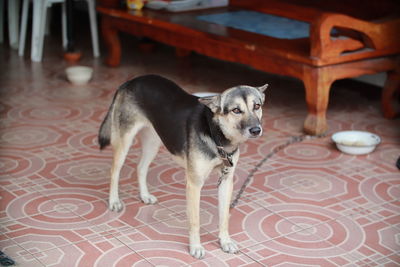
point(202, 134)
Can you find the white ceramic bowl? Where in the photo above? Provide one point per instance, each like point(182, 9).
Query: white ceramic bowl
point(204, 94)
point(79, 75)
point(356, 142)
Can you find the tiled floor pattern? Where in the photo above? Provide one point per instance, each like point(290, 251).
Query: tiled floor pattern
point(309, 205)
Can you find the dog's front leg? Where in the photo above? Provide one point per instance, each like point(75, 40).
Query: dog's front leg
point(224, 198)
point(193, 188)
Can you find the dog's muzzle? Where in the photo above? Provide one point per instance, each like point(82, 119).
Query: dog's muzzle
point(255, 131)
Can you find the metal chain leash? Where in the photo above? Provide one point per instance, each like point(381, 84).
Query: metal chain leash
point(293, 139)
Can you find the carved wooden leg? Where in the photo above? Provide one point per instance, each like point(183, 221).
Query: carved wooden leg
point(317, 84)
point(390, 95)
point(111, 39)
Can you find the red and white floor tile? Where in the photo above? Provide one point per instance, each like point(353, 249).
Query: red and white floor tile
point(308, 205)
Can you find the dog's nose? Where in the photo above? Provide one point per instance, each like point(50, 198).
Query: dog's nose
point(255, 131)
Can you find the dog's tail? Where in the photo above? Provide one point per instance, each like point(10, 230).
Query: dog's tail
point(104, 137)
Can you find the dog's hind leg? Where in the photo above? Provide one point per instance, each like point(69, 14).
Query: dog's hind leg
point(121, 145)
point(150, 145)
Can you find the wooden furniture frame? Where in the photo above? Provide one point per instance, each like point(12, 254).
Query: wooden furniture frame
point(366, 44)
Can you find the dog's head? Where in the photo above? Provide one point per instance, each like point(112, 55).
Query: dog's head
point(238, 111)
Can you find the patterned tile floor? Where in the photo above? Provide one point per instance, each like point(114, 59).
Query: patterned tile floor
point(309, 205)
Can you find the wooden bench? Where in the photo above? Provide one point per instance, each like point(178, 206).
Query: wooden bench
point(367, 42)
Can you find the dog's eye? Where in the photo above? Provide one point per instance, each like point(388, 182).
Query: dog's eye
point(257, 106)
point(236, 111)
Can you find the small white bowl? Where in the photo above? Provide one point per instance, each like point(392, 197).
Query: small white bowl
point(356, 142)
point(204, 94)
point(79, 75)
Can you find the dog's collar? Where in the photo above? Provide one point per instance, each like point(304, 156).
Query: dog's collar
point(225, 156)
point(217, 136)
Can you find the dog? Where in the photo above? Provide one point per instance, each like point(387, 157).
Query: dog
point(201, 133)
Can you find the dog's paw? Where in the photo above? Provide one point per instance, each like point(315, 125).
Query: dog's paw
point(115, 205)
point(148, 199)
point(197, 251)
point(229, 246)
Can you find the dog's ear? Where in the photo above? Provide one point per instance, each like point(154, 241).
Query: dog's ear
point(262, 88)
point(212, 102)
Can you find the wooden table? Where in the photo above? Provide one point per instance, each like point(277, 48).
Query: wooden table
point(365, 46)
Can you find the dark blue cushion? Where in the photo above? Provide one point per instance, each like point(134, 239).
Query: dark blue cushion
point(261, 23)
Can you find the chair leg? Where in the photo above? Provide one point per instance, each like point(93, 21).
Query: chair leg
point(391, 95)
point(39, 19)
point(317, 84)
point(47, 22)
point(37, 7)
point(22, 34)
point(13, 23)
point(43, 29)
point(93, 27)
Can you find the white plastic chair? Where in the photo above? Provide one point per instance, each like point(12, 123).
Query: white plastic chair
point(13, 15)
point(39, 22)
